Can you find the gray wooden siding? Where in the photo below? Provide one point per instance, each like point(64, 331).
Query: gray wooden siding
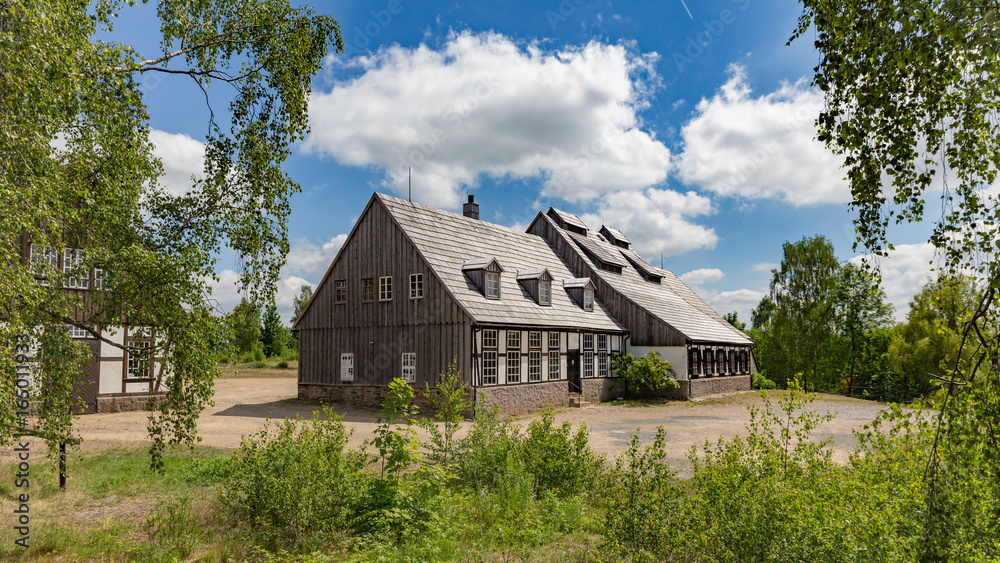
point(378, 332)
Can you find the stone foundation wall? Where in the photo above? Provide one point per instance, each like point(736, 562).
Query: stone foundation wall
point(702, 387)
point(125, 403)
point(524, 398)
point(600, 389)
point(367, 396)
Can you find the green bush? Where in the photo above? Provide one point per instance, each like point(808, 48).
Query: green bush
point(293, 483)
point(283, 364)
point(760, 381)
point(559, 460)
point(485, 450)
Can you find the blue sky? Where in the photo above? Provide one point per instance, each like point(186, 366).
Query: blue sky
point(687, 126)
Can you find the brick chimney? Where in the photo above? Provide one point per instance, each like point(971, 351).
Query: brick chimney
point(471, 209)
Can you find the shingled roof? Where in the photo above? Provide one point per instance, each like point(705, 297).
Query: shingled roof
point(446, 240)
point(671, 300)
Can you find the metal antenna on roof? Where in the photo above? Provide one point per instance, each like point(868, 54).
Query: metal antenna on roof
point(661, 259)
point(409, 185)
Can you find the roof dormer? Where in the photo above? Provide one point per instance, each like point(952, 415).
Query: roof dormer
point(568, 221)
point(539, 285)
point(615, 237)
point(581, 290)
point(485, 273)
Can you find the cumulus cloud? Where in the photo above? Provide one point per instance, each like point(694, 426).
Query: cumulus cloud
point(656, 220)
point(182, 157)
point(702, 276)
point(766, 266)
point(483, 105)
point(743, 301)
point(312, 260)
point(226, 294)
point(761, 147)
point(904, 272)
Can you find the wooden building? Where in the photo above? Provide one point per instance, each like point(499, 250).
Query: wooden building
point(526, 320)
point(121, 375)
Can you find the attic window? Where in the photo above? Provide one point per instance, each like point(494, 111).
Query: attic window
point(611, 268)
point(575, 229)
point(492, 285)
point(544, 293)
point(588, 300)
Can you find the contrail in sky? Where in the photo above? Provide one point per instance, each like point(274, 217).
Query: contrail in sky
point(686, 9)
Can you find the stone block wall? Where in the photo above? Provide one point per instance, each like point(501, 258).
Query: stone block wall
point(125, 403)
point(600, 389)
point(524, 398)
point(705, 386)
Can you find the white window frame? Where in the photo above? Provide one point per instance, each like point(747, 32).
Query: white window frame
point(588, 341)
point(77, 332)
point(544, 293)
point(553, 365)
point(73, 259)
point(409, 365)
point(588, 300)
point(417, 286)
point(492, 289)
point(513, 366)
point(40, 257)
point(340, 292)
point(367, 293)
point(588, 364)
point(535, 340)
point(490, 338)
point(99, 278)
point(534, 366)
point(134, 364)
point(553, 336)
point(347, 366)
point(489, 367)
point(385, 288)
point(603, 365)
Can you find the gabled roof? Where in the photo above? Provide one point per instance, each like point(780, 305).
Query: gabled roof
point(671, 301)
point(490, 264)
point(614, 235)
point(542, 275)
point(585, 283)
point(446, 239)
point(568, 218)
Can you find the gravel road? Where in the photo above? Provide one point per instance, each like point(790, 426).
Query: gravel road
point(244, 404)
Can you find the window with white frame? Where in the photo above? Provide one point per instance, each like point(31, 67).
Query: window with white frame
point(544, 293)
point(493, 285)
point(100, 276)
point(489, 367)
point(535, 340)
point(368, 289)
point(602, 356)
point(534, 365)
point(489, 338)
point(410, 367)
point(340, 291)
point(588, 341)
point(416, 286)
point(513, 356)
point(553, 340)
point(72, 262)
point(77, 332)
point(588, 300)
point(347, 366)
point(709, 362)
point(588, 363)
point(43, 258)
point(385, 288)
point(553, 365)
point(138, 361)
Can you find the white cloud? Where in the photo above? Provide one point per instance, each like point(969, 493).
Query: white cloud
point(655, 220)
point(288, 289)
point(766, 266)
point(743, 301)
point(764, 147)
point(311, 260)
point(702, 276)
point(904, 273)
point(226, 295)
point(485, 105)
point(182, 157)
point(224, 291)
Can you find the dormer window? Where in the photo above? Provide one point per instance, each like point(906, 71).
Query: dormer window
point(588, 300)
point(581, 290)
point(492, 285)
point(485, 274)
point(545, 293)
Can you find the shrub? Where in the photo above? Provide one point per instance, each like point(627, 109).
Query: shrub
point(760, 381)
point(648, 372)
point(292, 482)
point(560, 461)
point(449, 402)
point(485, 450)
point(283, 364)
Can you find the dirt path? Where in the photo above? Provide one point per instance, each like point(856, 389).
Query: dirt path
point(243, 405)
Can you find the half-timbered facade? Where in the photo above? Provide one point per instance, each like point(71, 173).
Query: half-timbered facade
point(415, 288)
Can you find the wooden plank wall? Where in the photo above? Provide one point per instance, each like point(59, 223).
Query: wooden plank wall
point(645, 329)
point(379, 332)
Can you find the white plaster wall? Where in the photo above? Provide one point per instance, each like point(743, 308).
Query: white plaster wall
point(108, 351)
point(676, 355)
point(111, 377)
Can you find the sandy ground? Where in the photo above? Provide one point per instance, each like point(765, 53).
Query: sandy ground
point(245, 404)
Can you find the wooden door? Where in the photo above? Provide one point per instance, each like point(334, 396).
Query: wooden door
point(573, 371)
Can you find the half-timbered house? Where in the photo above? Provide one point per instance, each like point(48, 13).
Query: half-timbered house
point(415, 288)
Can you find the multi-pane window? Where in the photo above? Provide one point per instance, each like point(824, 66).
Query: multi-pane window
point(493, 285)
point(385, 288)
point(490, 367)
point(553, 340)
point(588, 341)
point(99, 278)
point(709, 362)
point(588, 300)
point(340, 291)
point(489, 338)
point(588, 363)
point(602, 355)
point(368, 289)
point(347, 367)
point(745, 356)
point(77, 332)
point(544, 293)
point(42, 259)
point(410, 367)
point(139, 365)
point(553, 365)
point(534, 365)
point(513, 356)
point(72, 261)
point(535, 339)
point(693, 362)
point(416, 286)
